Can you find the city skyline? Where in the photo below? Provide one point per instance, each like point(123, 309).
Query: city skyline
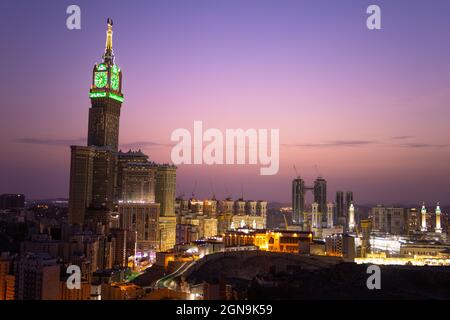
point(391, 149)
point(230, 150)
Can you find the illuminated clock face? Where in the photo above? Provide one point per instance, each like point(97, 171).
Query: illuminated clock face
point(101, 67)
point(115, 81)
point(101, 78)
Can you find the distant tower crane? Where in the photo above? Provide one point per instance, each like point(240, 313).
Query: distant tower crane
point(296, 172)
point(317, 170)
point(193, 190)
point(212, 189)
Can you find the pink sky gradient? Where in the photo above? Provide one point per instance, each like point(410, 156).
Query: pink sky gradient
point(370, 109)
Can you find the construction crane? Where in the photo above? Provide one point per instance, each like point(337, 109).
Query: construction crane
point(193, 190)
point(317, 171)
point(296, 172)
point(180, 196)
point(212, 189)
point(226, 191)
point(285, 220)
point(283, 212)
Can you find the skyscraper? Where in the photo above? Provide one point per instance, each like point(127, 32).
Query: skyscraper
point(165, 188)
point(298, 199)
point(348, 202)
point(320, 194)
point(165, 196)
point(93, 168)
point(108, 186)
point(339, 204)
point(80, 193)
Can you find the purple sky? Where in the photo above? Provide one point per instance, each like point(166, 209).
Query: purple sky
point(370, 108)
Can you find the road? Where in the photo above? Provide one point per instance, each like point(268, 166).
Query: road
point(165, 281)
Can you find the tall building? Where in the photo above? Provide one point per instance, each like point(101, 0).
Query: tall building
point(103, 178)
point(249, 213)
point(339, 204)
point(330, 215)
point(343, 202)
point(121, 195)
point(298, 199)
point(351, 218)
point(413, 220)
point(250, 208)
point(241, 221)
point(165, 189)
point(316, 216)
point(93, 168)
point(438, 228)
point(423, 212)
point(187, 233)
point(12, 201)
point(167, 232)
point(37, 277)
point(143, 219)
point(341, 245)
point(210, 208)
point(226, 206)
point(348, 201)
point(165, 196)
point(120, 249)
point(7, 279)
point(320, 194)
point(366, 229)
point(225, 216)
point(261, 208)
point(239, 207)
point(389, 219)
point(80, 192)
point(136, 177)
point(208, 227)
point(106, 99)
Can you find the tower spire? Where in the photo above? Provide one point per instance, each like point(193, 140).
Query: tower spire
point(108, 57)
point(438, 228)
point(423, 213)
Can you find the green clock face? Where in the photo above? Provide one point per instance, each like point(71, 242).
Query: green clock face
point(115, 82)
point(101, 78)
point(101, 67)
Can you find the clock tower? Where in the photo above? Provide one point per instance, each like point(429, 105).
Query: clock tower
point(106, 99)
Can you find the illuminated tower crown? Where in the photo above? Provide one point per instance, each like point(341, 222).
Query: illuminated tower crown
point(108, 57)
point(106, 98)
point(107, 76)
